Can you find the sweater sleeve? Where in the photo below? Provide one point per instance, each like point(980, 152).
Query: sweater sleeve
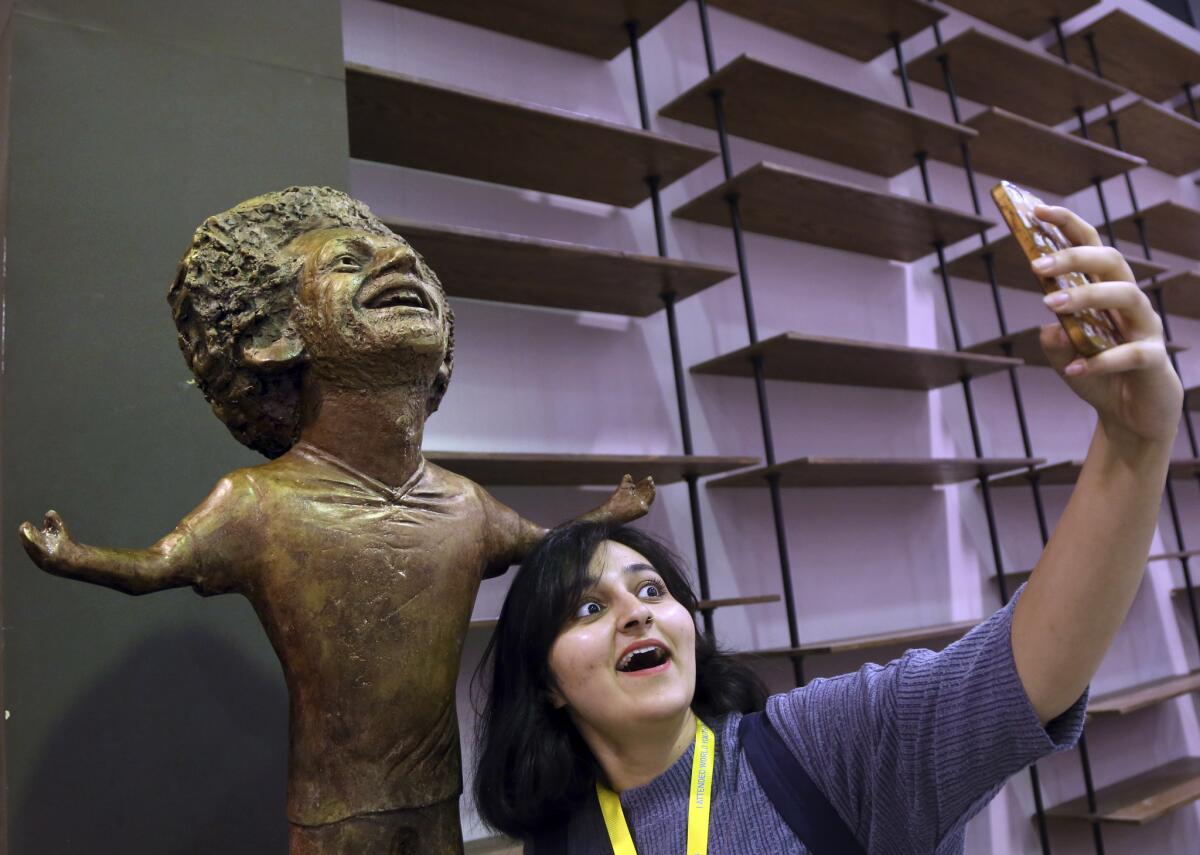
point(909, 751)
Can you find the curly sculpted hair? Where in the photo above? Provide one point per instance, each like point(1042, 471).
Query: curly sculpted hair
point(235, 284)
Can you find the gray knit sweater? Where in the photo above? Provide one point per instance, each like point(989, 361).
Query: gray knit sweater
point(906, 753)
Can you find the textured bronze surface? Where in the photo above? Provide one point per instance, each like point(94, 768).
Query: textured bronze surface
point(323, 340)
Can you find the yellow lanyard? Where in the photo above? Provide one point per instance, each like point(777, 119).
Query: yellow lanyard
point(699, 804)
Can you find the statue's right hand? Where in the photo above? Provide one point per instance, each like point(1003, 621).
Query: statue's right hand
point(50, 546)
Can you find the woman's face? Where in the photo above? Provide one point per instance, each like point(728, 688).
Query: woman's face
point(628, 653)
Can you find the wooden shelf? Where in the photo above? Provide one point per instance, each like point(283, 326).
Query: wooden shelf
point(843, 362)
point(861, 472)
point(1140, 799)
point(1169, 226)
point(1002, 73)
point(1143, 695)
point(791, 111)
point(1013, 270)
point(482, 265)
point(574, 470)
point(795, 205)
point(403, 120)
point(1181, 293)
point(947, 631)
point(1067, 472)
point(1173, 556)
point(1180, 592)
point(1023, 18)
point(726, 602)
point(701, 605)
point(592, 27)
point(1018, 149)
point(1137, 56)
point(1027, 347)
point(1016, 578)
point(1166, 139)
point(861, 29)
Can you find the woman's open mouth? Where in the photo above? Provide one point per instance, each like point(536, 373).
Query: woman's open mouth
point(648, 658)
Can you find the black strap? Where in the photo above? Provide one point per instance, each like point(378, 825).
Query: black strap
point(798, 799)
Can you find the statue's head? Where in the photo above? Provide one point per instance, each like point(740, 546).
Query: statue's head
point(305, 280)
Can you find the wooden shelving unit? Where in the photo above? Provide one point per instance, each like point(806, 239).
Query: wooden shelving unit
point(1002, 73)
point(1013, 270)
point(1022, 18)
point(863, 472)
point(861, 29)
point(844, 362)
point(1064, 164)
point(1167, 140)
point(1181, 293)
point(1169, 226)
point(941, 632)
point(1143, 695)
point(788, 110)
point(779, 201)
point(1137, 56)
point(592, 27)
point(1140, 799)
point(576, 470)
point(1066, 472)
point(482, 265)
point(1027, 347)
point(406, 121)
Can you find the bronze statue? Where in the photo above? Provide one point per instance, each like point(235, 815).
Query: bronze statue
point(324, 341)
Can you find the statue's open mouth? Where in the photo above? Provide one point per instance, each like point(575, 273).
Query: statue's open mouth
point(395, 291)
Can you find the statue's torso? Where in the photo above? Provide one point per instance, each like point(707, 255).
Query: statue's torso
point(366, 594)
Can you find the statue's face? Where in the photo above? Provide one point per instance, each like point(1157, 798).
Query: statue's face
point(366, 309)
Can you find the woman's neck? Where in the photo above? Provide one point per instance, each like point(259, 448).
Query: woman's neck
point(633, 756)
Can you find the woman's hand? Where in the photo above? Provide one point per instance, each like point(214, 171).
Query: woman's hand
point(1133, 387)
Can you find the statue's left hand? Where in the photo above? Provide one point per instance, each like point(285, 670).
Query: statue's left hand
point(630, 501)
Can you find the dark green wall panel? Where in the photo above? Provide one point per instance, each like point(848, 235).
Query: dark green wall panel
point(153, 724)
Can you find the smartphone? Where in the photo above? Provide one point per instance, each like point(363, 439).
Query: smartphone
point(1090, 330)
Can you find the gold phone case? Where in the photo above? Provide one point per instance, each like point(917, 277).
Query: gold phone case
point(1091, 330)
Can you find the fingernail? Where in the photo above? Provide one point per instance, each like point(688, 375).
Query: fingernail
point(1043, 263)
point(1056, 300)
point(1074, 368)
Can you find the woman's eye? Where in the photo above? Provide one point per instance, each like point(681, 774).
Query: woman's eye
point(588, 609)
point(650, 589)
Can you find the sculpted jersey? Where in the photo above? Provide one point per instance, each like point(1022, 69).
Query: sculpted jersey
point(366, 594)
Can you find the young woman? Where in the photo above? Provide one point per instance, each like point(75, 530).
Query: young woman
point(612, 723)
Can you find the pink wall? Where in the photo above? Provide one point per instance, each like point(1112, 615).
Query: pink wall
point(864, 560)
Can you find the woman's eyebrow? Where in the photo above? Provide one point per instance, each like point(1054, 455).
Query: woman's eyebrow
point(639, 567)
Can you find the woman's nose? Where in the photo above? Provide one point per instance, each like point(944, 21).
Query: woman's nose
point(636, 614)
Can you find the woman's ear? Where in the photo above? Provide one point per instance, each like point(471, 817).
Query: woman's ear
point(556, 699)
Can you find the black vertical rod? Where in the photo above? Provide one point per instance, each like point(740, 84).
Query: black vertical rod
point(1189, 587)
point(989, 264)
point(669, 298)
point(760, 385)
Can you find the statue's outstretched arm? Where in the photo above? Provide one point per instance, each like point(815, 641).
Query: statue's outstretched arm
point(176, 560)
point(630, 501)
point(166, 564)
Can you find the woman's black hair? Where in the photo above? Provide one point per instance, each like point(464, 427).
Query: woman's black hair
point(533, 768)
